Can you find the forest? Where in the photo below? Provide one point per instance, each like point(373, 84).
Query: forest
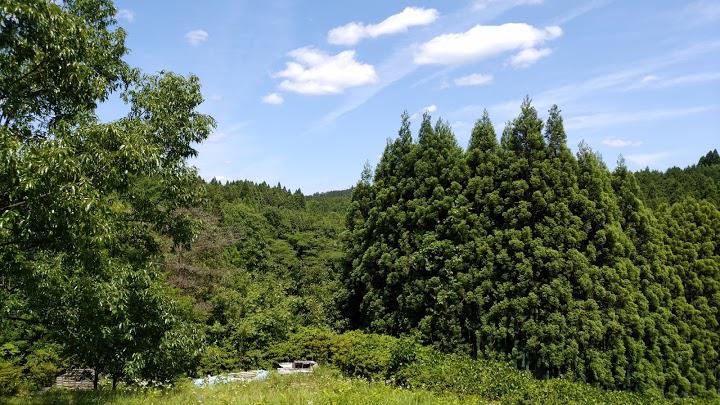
point(513, 269)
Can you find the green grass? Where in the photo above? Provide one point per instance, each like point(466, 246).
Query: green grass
point(325, 386)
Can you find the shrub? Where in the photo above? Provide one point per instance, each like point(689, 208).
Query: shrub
point(407, 363)
point(357, 354)
point(10, 378)
point(215, 359)
point(42, 366)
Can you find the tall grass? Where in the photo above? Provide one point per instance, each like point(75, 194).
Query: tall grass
point(325, 386)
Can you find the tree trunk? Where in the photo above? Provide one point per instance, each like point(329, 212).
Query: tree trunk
point(96, 378)
point(474, 344)
point(114, 381)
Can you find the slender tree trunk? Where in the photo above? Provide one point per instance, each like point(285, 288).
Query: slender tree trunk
point(474, 344)
point(96, 378)
point(114, 381)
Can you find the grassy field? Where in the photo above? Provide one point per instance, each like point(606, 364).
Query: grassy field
point(325, 386)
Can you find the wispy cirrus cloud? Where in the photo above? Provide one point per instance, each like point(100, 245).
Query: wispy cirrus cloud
point(481, 5)
point(581, 10)
point(125, 14)
point(620, 143)
point(646, 159)
point(196, 37)
point(613, 81)
point(475, 79)
point(314, 72)
point(602, 120)
point(354, 32)
point(430, 109)
point(659, 82)
point(701, 12)
point(222, 134)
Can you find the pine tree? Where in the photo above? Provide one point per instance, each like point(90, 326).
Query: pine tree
point(710, 159)
point(357, 241)
point(668, 358)
point(526, 316)
point(692, 230)
point(522, 251)
point(482, 159)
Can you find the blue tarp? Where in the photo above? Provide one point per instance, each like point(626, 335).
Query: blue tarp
point(228, 378)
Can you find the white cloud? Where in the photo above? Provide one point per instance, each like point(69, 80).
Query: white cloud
point(352, 33)
point(395, 66)
point(273, 98)
point(648, 79)
point(482, 42)
point(628, 117)
point(216, 97)
point(196, 37)
point(475, 79)
point(315, 72)
point(125, 14)
point(528, 57)
point(620, 143)
point(427, 109)
point(645, 159)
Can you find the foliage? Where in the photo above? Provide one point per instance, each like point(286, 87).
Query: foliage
point(408, 364)
point(115, 255)
point(84, 205)
point(265, 263)
point(521, 252)
point(700, 181)
point(357, 354)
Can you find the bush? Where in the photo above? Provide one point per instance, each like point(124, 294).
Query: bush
point(407, 363)
point(214, 360)
point(10, 378)
point(357, 354)
point(42, 366)
point(462, 375)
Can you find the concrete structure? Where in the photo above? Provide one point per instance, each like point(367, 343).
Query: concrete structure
point(297, 366)
point(76, 379)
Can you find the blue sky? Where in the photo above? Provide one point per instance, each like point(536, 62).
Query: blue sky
point(304, 92)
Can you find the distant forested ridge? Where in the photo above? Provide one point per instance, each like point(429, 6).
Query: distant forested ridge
point(266, 262)
point(520, 250)
point(700, 181)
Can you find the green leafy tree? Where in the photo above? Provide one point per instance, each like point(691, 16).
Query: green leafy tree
point(84, 204)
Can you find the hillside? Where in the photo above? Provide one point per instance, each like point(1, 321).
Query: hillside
point(701, 181)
